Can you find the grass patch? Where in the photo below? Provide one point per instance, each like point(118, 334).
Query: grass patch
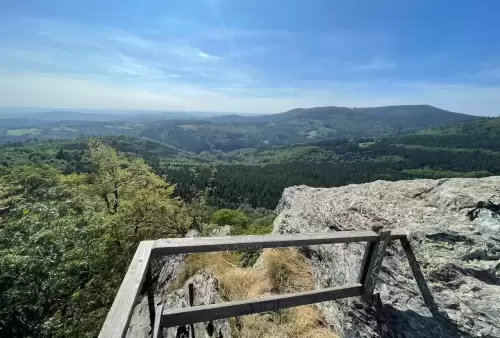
point(277, 271)
point(23, 131)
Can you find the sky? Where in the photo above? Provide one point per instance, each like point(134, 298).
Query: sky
point(250, 56)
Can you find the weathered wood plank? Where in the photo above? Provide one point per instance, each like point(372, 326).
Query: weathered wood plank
point(377, 257)
point(209, 244)
point(158, 325)
point(116, 324)
point(196, 314)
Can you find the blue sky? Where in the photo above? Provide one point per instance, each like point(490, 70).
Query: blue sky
point(250, 55)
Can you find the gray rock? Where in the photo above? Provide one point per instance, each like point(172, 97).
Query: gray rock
point(164, 270)
point(221, 231)
point(205, 292)
point(454, 229)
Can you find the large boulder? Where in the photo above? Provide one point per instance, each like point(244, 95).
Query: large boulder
point(454, 230)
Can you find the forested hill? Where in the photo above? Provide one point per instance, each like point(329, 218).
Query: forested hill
point(485, 127)
point(402, 116)
point(227, 133)
point(233, 132)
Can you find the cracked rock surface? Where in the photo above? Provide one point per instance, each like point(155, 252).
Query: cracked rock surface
point(454, 230)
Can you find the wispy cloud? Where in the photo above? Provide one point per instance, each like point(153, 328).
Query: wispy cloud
point(192, 53)
point(125, 65)
point(64, 47)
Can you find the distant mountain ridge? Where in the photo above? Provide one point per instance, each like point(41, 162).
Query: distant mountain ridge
point(231, 132)
point(299, 125)
point(411, 113)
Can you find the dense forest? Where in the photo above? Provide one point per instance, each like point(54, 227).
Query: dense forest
point(257, 176)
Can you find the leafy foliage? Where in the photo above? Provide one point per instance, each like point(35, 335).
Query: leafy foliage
point(66, 240)
point(230, 217)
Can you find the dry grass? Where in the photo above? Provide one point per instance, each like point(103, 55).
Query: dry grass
point(287, 270)
point(282, 271)
point(304, 322)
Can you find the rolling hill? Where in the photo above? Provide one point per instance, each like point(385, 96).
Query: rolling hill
point(232, 132)
point(481, 127)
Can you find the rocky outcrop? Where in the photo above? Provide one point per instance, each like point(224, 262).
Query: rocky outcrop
point(454, 230)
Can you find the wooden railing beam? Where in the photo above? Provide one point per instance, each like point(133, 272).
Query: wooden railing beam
point(211, 244)
point(205, 313)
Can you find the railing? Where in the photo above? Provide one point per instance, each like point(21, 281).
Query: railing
point(117, 321)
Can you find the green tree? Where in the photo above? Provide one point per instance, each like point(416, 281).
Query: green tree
point(230, 217)
point(66, 240)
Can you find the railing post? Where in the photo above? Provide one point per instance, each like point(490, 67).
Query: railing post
point(148, 284)
point(191, 303)
point(158, 321)
point(372, 263)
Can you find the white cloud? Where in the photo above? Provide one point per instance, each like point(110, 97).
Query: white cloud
point(191, 53)
point(123, 64)
point(206, 56)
